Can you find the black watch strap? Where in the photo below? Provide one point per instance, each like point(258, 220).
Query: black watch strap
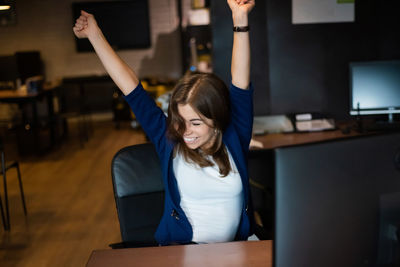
point(241, 28)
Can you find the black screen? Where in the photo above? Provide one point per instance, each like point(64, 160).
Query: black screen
point(375, 85)
point(125, 24)
point(8, 70)
point(29, 64)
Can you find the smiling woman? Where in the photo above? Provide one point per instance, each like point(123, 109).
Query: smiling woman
point(202, 144)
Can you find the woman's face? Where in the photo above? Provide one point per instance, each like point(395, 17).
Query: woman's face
point(197, 134)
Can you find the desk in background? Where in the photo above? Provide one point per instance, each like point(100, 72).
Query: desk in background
point(232, 254)
point(30, 120)
point(276, 140)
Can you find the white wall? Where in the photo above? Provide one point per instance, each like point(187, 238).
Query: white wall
point(46, 25)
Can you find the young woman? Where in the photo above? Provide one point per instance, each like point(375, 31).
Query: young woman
point(202, 144)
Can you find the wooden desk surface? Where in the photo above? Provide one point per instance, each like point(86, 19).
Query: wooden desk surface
point(271, 141)
point(16, 94)
point(232, 254)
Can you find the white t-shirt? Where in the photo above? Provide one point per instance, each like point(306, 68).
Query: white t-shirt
point(212, 203)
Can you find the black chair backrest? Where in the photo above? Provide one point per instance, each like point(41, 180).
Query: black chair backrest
point(139, 193)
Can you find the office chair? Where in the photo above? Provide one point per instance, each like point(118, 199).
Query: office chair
point(5, 166)
point(139, 194)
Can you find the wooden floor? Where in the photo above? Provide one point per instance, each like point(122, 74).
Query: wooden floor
point(71, 209)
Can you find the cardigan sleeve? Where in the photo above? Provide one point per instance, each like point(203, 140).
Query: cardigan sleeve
point(148, 114)
point(242, 113)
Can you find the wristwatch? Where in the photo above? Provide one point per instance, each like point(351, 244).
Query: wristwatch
point(241, 28)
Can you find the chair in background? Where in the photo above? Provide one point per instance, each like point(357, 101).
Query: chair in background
point(3, 218)
point(139, 194)
point(5, 166)
point(73, 106)
point(121, 110)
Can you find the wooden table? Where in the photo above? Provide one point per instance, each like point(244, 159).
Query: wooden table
point(232, 254)
point(14, 95)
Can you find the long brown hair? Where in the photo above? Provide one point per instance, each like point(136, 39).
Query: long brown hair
point(209, 97)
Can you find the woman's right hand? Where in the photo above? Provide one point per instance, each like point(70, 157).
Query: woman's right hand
point(124, 77)
point(85, 26)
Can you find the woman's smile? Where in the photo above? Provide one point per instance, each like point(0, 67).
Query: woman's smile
point(190, 140)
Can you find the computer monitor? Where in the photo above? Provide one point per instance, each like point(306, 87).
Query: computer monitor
point(336, 201)
point(29, 64)
point(375, 88)
point(8, 72)
point(125, 24)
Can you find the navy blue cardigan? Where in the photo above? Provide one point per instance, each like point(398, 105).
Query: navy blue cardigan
point(174, 226)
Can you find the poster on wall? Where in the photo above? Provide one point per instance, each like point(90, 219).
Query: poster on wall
point(322, 11)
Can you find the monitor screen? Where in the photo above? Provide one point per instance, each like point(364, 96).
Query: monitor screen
point(375, 87)
point(125, 24)
point(29, 64)
point(8, 68)
point(8, 72)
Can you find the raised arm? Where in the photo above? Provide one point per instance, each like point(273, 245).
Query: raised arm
point(123, 76)
point(240, 66)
